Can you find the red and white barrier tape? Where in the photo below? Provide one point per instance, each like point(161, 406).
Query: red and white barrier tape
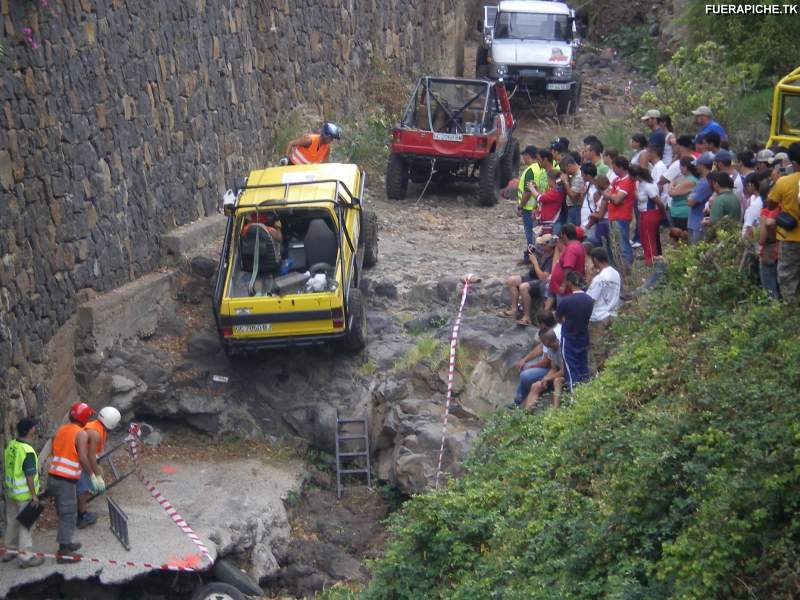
point(451, 372)
point(133, 445)
point(103, 561)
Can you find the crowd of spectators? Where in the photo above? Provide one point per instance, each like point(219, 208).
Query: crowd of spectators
point(586, 213)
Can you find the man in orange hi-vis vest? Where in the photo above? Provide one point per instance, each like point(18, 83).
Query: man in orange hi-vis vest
point(97, 432)
point(69, 457)
point(312, 148)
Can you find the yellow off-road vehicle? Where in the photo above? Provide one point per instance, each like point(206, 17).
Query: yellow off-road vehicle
point(785, 126)
point(296, 242)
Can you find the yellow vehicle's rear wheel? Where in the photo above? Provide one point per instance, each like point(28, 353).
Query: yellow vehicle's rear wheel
point(356, 339)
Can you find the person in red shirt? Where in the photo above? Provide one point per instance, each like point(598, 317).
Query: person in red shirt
point(768, 242)
point(620, 197)
point(571, 257)
point(550, 201)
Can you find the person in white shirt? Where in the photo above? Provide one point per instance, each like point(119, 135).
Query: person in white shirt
point(657, 171)
point(604, 290)
point(590, 196)
point(752, 213)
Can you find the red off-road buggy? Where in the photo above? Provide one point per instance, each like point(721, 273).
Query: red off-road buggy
point(454, 130)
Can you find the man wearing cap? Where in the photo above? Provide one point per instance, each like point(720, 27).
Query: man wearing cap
point(704, 119)
point(786, 194)
point(699, 197)
point(526, 200)
point(657, 135)
point(21, 465)
point(764, 160)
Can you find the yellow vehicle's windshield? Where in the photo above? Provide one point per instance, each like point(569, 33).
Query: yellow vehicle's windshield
point(790, 114)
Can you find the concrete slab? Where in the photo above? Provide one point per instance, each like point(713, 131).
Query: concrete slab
point(219, 500)
point(128, 312)
point(186, 240)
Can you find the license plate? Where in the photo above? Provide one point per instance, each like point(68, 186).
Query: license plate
point(448, 137)
point(558, 86)
point(252, 328)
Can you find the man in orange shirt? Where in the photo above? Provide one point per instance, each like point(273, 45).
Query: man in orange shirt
point(69, 457)
point(312, 148)
point(92, 479)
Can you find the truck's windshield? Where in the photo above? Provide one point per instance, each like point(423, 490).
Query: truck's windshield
point(537, 26)
point(790, 114)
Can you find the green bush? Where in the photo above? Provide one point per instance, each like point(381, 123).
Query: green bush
point(765, 40)
point(694, 77)
point(675, 474)
point(637, 45)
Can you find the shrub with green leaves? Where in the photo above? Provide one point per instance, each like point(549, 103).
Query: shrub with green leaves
point(695, 77)
point(766, 40)
point(675, 474)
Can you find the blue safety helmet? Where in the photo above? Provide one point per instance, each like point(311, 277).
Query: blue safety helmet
point(331, 130)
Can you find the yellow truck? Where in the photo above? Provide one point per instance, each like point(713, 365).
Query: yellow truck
point(785, 125)
point(296, 243)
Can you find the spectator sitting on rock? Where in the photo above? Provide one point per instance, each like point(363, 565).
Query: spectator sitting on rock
point(571, 257)
point(768, 240)
point(525, 288)
point(786, 194)
point(553, 378)
point(605, 291)
point(574, 312)
point(535, 364)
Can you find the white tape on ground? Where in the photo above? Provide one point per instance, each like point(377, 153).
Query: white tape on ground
point(451, 373)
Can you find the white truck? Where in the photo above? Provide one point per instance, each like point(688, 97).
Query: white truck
point(530, 46)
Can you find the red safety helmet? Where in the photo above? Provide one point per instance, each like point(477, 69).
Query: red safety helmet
point(81, 412)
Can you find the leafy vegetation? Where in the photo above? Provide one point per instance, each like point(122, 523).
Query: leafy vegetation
point(695, 77)
point(675, 474)
point(635, 44)
point(427, 350)
point(765, 40)
point(751, 115)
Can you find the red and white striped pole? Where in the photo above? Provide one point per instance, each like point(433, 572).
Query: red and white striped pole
point(451, 372)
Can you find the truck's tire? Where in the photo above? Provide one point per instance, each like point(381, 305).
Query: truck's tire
point(509, 165)
point(396, 177)
point(356, 338)
point(482, 62)
point(370, 236)
point(217, 591)
point(226, 572)
point(489, 180)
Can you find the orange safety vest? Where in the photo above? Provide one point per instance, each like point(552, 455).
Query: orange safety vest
point(64, 461)
point(100, 429)
point(312, 154)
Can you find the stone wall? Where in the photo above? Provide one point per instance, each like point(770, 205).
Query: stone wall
point(132, 116)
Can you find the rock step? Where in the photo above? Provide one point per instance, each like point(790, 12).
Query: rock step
point(186, 240)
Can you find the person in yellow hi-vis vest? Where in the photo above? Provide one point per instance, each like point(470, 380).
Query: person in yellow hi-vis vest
point(526, 201)
point(21, 465)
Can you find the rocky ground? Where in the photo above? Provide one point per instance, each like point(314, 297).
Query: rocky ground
point(179, 380)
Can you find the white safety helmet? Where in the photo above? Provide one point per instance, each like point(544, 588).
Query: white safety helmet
point(332, 130)
point(109, 417)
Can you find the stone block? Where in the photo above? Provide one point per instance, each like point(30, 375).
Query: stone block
point(189, 238)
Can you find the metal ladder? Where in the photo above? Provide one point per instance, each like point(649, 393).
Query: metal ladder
point(345, 440)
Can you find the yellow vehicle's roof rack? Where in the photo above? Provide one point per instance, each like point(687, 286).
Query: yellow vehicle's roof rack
point(338, 185)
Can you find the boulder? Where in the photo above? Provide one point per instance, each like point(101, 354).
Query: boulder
point(203, 266)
